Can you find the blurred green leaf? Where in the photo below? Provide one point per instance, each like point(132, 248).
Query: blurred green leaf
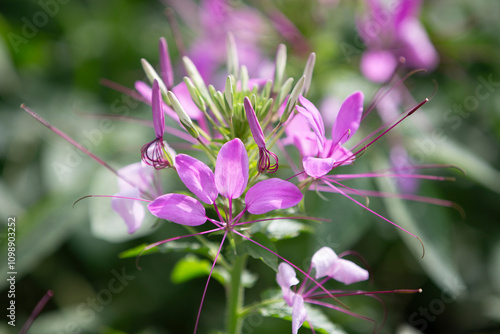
point(476, 168)
point(39, 232)
point(191, 267)
point(281, 229)
point(257, 252)
point(438, 261)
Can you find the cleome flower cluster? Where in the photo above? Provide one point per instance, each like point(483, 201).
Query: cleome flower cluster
point(244, 129)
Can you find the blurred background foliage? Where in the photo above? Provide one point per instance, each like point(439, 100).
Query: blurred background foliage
point(56, 68)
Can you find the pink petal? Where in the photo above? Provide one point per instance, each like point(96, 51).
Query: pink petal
point(158, 115)
point(132, 212)
point(378, 66)
point(253, 122)
point(418, 49)
point(407, 9)
point(286, 277)
point(197, 177)
point(178, 208)
point(348, 119)
point(138, 174)
point(167, 74)
point(323, 261)
point(299, 313)
point(317, 167)
point(348, 272)
point(343, 156)
point(231, 169)
point(272, 194)
point(147, 94)
point(307, 144)
point(313, 118)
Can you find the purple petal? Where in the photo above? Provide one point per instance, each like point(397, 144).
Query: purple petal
point(348, 272)
point(323, 261)
point(147, 94)
point(339, 154)
point(132, 212)
point(253, 122)
point(178, 208)
point(313, 118)
point(158, 115)
point(272, 194)
point(286, 277)
point(296, 126)
point(418, 49)
point(231, 169)
point(378, 66)
point(407, 9)
point(317, 167)
point(138, 174)
point(197, 177)
point(299, 313)
point(307, 144)
point(167, 73)
point(348, 119)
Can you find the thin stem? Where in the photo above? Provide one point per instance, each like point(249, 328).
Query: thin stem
point(235, 296)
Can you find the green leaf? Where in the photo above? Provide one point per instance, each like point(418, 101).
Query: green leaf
point(191, 267)
point(257, 252)
point(40, 232)
point(316, 318)
point(476, 168)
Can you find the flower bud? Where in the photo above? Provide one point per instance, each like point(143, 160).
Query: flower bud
point(183, 116)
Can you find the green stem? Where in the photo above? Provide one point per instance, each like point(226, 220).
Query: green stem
point(235, 296)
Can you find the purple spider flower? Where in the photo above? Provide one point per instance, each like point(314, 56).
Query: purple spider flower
point(154, 153)
point(392, 33)
point(264, 165)
point(229, 180)
point(214, 20)
point(322, 155)
point(328, 266)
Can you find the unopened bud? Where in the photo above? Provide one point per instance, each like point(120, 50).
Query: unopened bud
point(284, 91)
point(292, 100)
point(232, 55)
point(195, 94)
point(228, 92)
point(308, 71)
point(279, 69)
point(152, 76)
point(244, 78)
point(183, 116)
point(193, 73)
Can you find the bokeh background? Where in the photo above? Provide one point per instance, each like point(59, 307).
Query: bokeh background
point(52, 57)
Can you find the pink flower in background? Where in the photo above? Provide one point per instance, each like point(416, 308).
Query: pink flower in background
point(137, 180)
point(391, 32)
point(211, 20)
point(328, 266)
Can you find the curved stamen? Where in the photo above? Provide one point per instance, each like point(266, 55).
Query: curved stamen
point(265, 164)
point(153, 154)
